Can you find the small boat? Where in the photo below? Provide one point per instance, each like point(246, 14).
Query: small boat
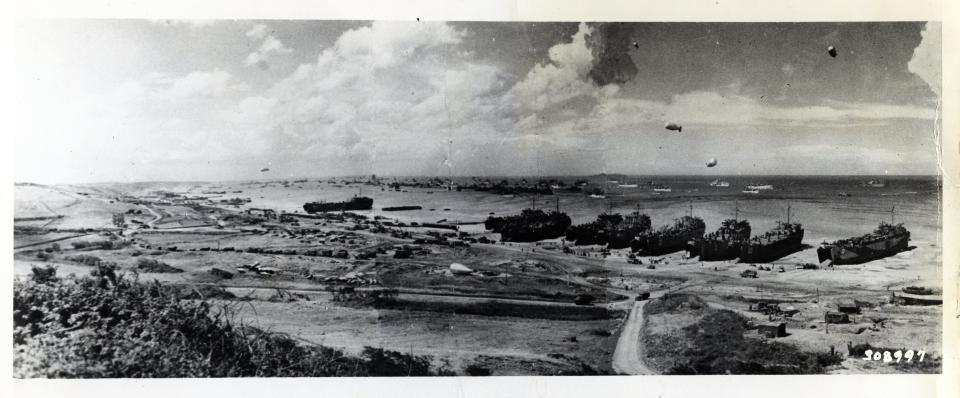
point(661, 188)
point(875, 184)
point(507, 196)
point(595, 196)
point(759, 187)
point(718, 183)
point(627, 186)
point(752, 191)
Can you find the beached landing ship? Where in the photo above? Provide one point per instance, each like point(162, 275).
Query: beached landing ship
point(785, 239)
point(669, 239)
point(355, 203)
point(886, 240)
point(529, 226)
point(724, 244)
point(613, 230)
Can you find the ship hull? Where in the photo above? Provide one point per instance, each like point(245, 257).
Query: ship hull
point(713, 250)
point(354, 204)
point(765, 253)
point(863, 253)
point(659, 245)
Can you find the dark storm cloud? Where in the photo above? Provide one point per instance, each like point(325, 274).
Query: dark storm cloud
point(611, 44)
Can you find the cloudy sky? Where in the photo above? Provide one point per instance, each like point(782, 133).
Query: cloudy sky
point(129, 100)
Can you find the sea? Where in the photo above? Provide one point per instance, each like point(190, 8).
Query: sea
point(829, 207)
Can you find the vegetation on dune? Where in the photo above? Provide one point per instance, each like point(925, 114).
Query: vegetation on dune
point(155, 266)
point(85, 259)
point(716, 344)
point(107, 325)
point(99, 245)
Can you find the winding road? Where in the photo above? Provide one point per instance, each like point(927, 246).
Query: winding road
point(627, 358)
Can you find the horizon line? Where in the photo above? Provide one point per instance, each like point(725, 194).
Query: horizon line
point(469, 176)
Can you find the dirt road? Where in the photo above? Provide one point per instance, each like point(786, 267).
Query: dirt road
point(156, 216)
point(627, 358)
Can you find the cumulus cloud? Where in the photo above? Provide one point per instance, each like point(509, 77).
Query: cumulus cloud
point(189, 23)
point(198, 83)
point(257, 32)
point(564, 77)
point(926, 61)
point(270, 46)
point(394, 82)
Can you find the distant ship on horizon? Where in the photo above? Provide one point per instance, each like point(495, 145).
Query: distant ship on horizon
point(718, 183)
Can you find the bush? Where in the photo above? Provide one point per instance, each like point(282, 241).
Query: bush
point(96, 245)
point(476, 370)
point(43, 275)
point(107, 326)
point(85, 259)
point(203, 292)
point(155, 266)
point(601, 332)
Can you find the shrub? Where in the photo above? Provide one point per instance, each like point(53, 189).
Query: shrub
point(85, 259)
point(476, 370)
point(95, 245)
point(155, 266)
point(107, 326)
point(601, 332)
point(43, 275)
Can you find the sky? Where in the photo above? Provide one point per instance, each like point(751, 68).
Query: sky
point(205, 100)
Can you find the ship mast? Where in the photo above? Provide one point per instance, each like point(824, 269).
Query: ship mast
point(788, 212)
point(892, 215)
point(736, 210)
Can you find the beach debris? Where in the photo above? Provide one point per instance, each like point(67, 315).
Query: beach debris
point(712, 162)
point(674, 127)
point(832, 51)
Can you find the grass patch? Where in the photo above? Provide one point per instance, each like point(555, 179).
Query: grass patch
point(497, 308)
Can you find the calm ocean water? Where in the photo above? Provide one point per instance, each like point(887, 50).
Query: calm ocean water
point(815, 201)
